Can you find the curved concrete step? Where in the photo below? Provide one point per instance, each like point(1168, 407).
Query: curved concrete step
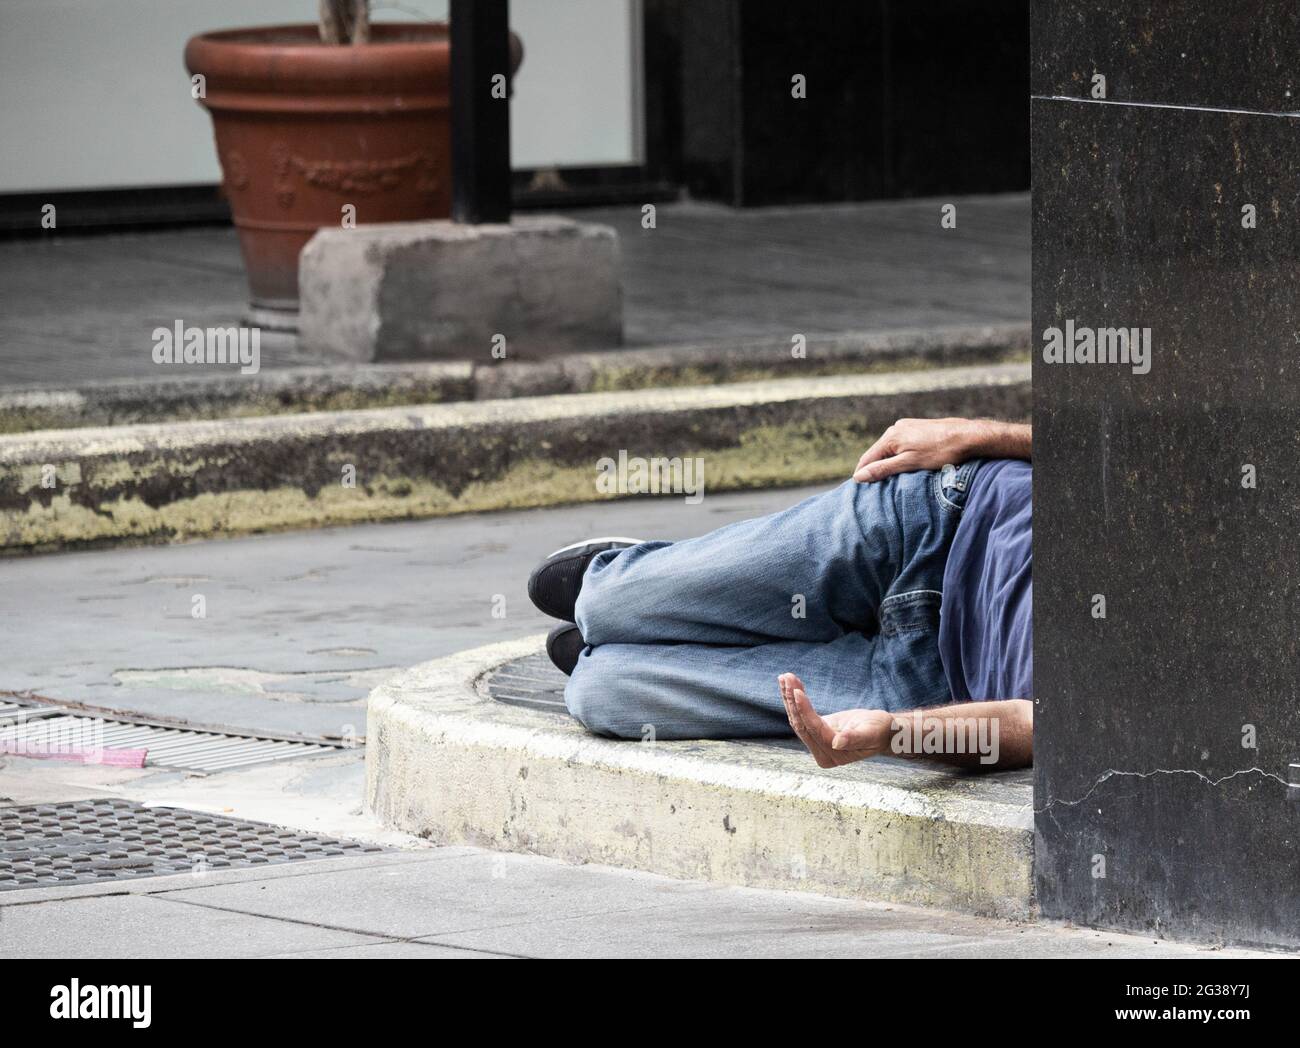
point(448, 761)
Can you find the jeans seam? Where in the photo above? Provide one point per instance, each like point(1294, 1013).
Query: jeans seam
point(901, 599)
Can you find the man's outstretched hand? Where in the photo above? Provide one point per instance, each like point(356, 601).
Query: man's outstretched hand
point(840, 738)
point(1003, 738)
point(911, 444)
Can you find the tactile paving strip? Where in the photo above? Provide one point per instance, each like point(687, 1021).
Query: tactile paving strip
point(531, 681)
point(84, 842)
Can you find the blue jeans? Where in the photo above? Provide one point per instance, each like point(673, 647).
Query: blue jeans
point(686, 639)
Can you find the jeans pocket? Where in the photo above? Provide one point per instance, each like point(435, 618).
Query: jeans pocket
point(908, 669)
point(951, 485)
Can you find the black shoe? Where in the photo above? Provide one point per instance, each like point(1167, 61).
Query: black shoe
point(553, 587)
point(564, 644)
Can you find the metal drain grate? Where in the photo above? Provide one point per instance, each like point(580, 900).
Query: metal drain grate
point(87, 842)
point(530, 681)
point(35, 728)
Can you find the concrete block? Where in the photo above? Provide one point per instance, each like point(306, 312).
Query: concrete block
point(441, 290)
point(446, 761)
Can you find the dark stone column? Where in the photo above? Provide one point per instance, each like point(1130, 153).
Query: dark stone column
point(1164, 729)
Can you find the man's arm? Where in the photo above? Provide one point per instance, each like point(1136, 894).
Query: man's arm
point(983, 736)
point(932, 443)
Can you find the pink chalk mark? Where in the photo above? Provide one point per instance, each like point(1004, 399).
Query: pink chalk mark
point(113, 758)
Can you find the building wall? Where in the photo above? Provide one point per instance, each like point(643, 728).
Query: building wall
point(96, 95)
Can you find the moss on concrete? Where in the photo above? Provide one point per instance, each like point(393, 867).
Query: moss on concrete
point(612, 378)
point(160, 483)
point(766, 456)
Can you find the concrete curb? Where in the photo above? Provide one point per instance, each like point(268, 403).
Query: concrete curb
point(158, 483)
point(447, 762)
point(125, 402)
point(363, 386)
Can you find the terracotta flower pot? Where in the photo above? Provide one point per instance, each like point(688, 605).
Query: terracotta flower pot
point(304, 128)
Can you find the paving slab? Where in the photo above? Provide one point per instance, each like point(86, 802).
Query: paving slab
point(365, 600)
point(467, 892)
point(212, 877)
point(81, 309)
point(123, 926)
point(448, 761)
point(393, 951)
point(759, 924)
point(490, 906)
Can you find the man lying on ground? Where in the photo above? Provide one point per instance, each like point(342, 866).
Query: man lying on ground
point(904, 597)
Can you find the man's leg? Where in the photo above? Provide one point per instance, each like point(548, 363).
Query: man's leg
point(842, 589)
point(699, 691)
point(813, 572)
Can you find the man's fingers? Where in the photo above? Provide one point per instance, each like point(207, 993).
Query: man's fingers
point(801, 716)
point(880, 449)
point(882, 468)
point(787, 682)
point(787, 698)
point(813, 730)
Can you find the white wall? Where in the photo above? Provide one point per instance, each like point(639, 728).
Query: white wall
point(94, 93)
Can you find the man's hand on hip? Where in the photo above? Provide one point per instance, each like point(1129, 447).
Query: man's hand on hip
point(912, 444)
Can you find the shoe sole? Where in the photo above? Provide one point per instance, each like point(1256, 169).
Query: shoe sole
point(552, 642)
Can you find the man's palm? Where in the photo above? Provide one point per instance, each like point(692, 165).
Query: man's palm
point(838, 738)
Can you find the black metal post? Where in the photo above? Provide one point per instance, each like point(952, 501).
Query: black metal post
point(480, 111)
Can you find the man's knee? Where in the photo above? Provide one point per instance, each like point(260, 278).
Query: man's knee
point(587, 696)
point(597, 600)
point(592, 696)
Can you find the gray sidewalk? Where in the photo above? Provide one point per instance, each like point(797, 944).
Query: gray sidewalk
point(299, 626)
point(82, 309)
point(472, 904)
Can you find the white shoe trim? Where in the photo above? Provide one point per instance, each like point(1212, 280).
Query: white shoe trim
point(593, 542)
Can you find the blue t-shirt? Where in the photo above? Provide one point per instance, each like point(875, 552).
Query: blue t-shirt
point(986, 616)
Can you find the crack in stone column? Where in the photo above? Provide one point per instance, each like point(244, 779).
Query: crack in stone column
point(1111, 773)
